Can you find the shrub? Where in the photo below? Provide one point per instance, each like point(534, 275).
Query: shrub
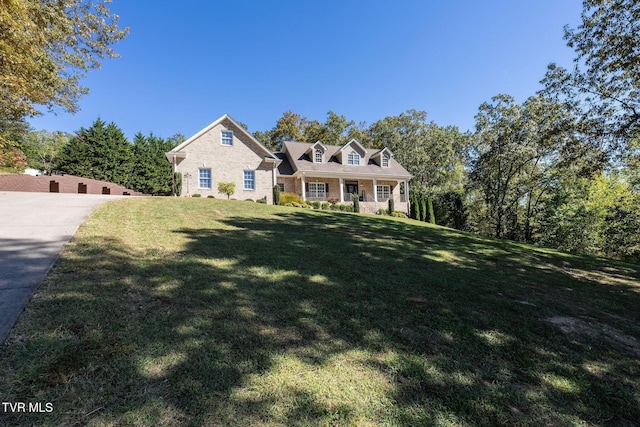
point(196, 195)
point(413, 209)
point(333, 207)
point(348, 208)
point(333, 200)
point(325, 206)
point(432, 217)
point(276, 195)
point(315, 204)
point(290, 198)
point(356, 203)
point(341, 207)
point(391, 206)
point(263, 200)
point(289, 205)
point(177, 183)
point(227, 188)
point(399, 214)
point(248, 200)
point(211, 196)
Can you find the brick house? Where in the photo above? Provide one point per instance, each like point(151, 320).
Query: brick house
point(225, 152)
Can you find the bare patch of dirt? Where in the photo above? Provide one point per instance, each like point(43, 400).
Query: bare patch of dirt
point(594, 330)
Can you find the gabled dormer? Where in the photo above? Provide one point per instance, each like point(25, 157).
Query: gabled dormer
point(383, 157)
point(352, 153)
point(317, 153)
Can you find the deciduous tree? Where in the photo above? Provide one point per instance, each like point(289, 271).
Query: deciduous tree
point(46, 47)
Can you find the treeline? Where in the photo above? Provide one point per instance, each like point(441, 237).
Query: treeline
point(102, 152)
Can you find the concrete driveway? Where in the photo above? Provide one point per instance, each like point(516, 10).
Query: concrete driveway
point(34, 227)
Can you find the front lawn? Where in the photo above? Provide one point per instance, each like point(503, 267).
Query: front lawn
point(166, 311)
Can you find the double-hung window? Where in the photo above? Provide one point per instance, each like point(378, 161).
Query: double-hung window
point(249, 180)
point(383, 192)
point(317, 190)
point(353, 158)
point(385, 162)
point(317, 156)
point(204, 178)
point(227, 137)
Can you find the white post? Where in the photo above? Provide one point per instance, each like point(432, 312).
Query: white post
point(304, 193)
point(375, 190)
point(341, 190)
point(406, 196)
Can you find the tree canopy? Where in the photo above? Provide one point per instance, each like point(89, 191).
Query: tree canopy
point(603, 88)
point(46, 47)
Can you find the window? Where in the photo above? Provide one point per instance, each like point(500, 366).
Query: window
point(383, 192)
point(227, 137)
point(317, 156)
point(317, 190)
point(249, 180)
point(353, 158)
point(204, 178)
point(281, 185)
point(385, 162)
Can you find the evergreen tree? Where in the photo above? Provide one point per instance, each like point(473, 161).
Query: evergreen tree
point(423, 208)
point(432, 216)
point(152, 172)
point(99, 152)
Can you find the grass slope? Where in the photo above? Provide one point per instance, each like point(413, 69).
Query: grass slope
point(202, 312)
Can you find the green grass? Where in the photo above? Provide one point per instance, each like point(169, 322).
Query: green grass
point(169, 311)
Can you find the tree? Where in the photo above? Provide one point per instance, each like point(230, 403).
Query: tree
point(227, 188)
point(177, 184)
point(603, 88)
point(288, 128)
point(46, 47)
point(276, 194)
point(429, 152)
point(99, 152)
point(514, 146)
point(42, 147)
point(152, 173)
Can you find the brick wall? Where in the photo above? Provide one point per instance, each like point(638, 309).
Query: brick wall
point(61, 184)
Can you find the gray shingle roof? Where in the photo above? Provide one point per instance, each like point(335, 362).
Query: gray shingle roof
point(300, 161)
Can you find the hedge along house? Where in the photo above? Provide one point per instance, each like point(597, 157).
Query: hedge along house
point(335, 173)
point(225, 152)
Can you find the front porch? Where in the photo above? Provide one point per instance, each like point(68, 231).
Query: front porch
point(373, 194)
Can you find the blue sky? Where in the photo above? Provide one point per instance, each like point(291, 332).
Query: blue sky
point(186, 63)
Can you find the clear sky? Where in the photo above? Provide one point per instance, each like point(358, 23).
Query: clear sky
point(186, 63)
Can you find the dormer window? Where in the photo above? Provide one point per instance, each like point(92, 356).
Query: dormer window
point(317, 156)
point(353, 158)
point(385, 162)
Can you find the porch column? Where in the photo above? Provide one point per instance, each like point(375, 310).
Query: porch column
point(375, 190)
point(273, 175)
point(406, 196)
point(304, 193)
point(341, 190)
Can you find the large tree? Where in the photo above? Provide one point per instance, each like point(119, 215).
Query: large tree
point(429, 152)
point(42, 148)
point(603, 88)
point(99, 152)
point(516, 148)
point(46, 47)
point(152, 173)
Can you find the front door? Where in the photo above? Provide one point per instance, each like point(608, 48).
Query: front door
point(350, 188)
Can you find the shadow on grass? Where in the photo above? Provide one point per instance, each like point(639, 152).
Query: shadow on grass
point(250, 324)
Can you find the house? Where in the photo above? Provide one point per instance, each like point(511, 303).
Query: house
point(225, 152)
